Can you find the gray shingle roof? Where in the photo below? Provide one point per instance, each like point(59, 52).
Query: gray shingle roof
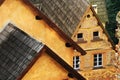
point(101, 9)
point(17, 50)
point(66, 14)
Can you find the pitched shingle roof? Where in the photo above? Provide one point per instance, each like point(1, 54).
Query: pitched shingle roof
point(17, 50)
point(66, 14)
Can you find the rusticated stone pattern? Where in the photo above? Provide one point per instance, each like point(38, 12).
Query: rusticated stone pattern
point(17, 50)
point(106, 74)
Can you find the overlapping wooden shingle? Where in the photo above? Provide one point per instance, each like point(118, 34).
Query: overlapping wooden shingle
point(17, 50)
point(66, 14)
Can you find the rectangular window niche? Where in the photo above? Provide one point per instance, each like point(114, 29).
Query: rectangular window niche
point(98, 61)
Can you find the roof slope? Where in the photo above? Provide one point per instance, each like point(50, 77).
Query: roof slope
point(17, 50)
point(59, 60)
point(55, 27)
point(66, 14)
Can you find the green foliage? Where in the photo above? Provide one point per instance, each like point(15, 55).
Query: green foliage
point(110, 27)
point(113, 6)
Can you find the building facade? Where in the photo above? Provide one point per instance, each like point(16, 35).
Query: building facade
point(88, 32)
point(92, 37)
point(32, 47)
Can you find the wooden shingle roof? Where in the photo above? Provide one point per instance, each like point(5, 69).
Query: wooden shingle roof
point(26, 49)
point(55, 27)
point(19, 51)
point(66, 14)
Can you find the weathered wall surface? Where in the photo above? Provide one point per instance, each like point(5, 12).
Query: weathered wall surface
point(24, 18)
point(21, 15)
point(94, 45)
point(87, 27)
point(64, 13)
point(46, 68)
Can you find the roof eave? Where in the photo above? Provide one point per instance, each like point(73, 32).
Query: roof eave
point(54, 27)
point(58, 59)
point(99, 22)
point(1, 2)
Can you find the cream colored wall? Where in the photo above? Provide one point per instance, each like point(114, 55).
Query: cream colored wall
point(100, 74)
point(16, 12)
point(89, 58)
point(87, 26)
point(87, 61)
point(46, 68)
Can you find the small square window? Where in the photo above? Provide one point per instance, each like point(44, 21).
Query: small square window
point(80, 38)
point(80, 35)
point(95, 34)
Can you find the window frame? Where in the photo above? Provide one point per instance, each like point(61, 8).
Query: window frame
point(80, 38)
point(98, 61)
point(96, 36)
point(80, 34)
point(76, 62)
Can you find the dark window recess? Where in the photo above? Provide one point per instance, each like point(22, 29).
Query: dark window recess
point(38, 18)
point(95, 34)
point(17, 50)
point(80, 35)
point(96, 37)
point(80, 38)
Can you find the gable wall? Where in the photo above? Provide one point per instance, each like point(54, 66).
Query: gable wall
point(65, 14)
point(87, 26)
point(17, 13)
point(45, 68)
